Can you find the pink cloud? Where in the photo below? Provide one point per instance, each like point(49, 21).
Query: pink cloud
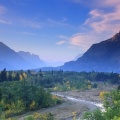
point(82, 40)
point(101, 21)
point(110, 2)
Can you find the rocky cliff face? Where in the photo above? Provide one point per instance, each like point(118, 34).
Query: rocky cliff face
point(103, 56)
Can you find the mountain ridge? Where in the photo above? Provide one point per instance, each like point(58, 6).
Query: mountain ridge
point(103, 57)
point(11, 60)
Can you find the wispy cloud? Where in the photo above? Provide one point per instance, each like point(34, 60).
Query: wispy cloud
point(61, 42)
point(32, 24)
point(107, 3)
point(83, 40)
point(80, 40)
point(58, 23)
point(2, 10)
point(5, 22)
point(29, 23)
point(101, 21)
point(63, 37)
point(100, 24)
point(3, 19)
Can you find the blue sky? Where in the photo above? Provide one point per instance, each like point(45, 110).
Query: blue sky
point(57, 30)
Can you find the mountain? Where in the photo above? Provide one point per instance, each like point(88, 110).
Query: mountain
point(78, 56)
point(11, 60)
point(32, 58)
point(103, 56)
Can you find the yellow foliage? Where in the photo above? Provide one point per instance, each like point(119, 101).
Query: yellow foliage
point(21, 78)
point(55, 88)
point(36, 115)
point(102, 94)
point(32, 105)
point(116, 118)
point(54, 96)
point(24, 75)
point(43, 117)
point(74, 113)
point(89, 86)
point(13, 106)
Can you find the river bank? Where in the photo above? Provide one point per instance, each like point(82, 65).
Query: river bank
point(75, 103)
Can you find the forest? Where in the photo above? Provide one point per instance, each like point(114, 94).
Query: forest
point(23, 91)
point(56, 79)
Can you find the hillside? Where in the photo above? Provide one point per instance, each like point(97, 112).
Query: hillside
point(103, 56)
point(11, 60)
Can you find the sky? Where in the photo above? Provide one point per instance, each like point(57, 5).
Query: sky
point(57, 30)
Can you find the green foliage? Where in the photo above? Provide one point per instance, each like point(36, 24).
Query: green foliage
point(18, 97)
point(59, 80)
point(37, 116)
point(112, 104)
point(22, 91)
point(112, 108)
point(94, 115)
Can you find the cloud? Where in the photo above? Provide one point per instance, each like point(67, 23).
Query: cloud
point(62, 36)
point(101, 21)
point(5, 22)
point(100, 25)
point(29, 23)
point(109, 3)
point(35, 25)
point(2, 10)
point(82, 40)
point(61, 42)
point(58, 23)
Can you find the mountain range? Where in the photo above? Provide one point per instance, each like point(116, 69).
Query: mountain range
point(103, 56)
point(12, 60)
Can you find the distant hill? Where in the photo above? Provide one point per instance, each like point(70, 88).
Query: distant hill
point(103, 56)
point(32, 58)
point(11, 60)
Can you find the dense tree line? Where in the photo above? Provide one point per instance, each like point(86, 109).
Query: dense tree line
point(60, 79)
point(19, 96)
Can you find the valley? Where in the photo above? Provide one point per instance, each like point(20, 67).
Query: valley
point(59, 60)
point(75, 103)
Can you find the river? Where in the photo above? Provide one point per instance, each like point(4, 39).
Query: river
point(91, 105)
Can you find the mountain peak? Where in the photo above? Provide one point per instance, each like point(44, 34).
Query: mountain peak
point(116, 37)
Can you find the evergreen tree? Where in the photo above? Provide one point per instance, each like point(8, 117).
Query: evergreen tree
point(3, 75)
